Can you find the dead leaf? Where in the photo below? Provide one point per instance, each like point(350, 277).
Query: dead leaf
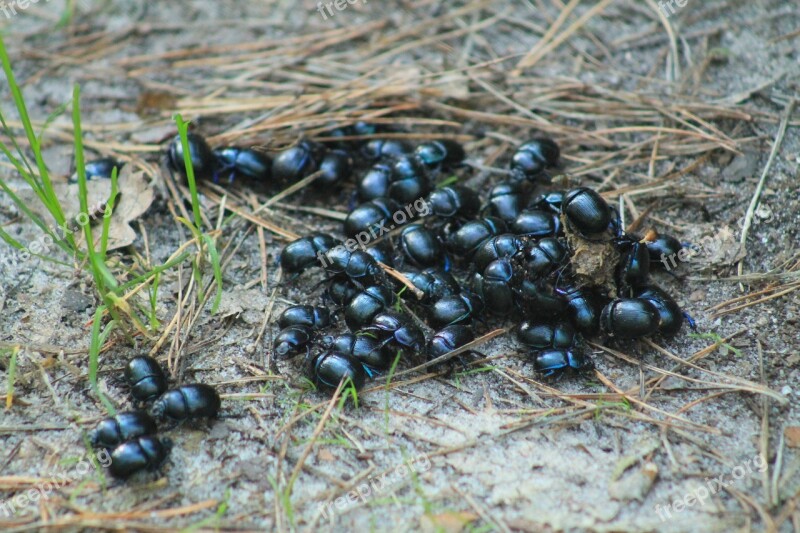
point(325, 455)
point(447, 522)
point(792, 434)
point(636, 485)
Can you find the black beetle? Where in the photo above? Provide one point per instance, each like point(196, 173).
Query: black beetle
point(328, 369)
point(409, 180)
point(461, 308)
point(536, 224)
point(128, 425)
point(365, 305)
point(533, 157)
point(305, 315)
point(505, 201)
point(375, 182)
point(204, 164)
point(292, 340)
point(305, 252)
point(420, 246)
point(341, 290)
point(446, 340)
point(663, 250)
point(434, 283)
point(544, 257)
point(583, 309)
point(556, 362)
point(630, 318)
point(550, 201)
point(542, 335)
point(541, 301)
point(194, 400)
point(244, 162)
point(440, 155)
point(384, 148)
point(382, 251)
point(366, 349)
point(466, 240)
point(634, 264)
point(359, 266)
point(374, 216)
point(454, 201)
point(496, 287)
point(98, 169)
point(586, 211)
point(506, 245)
point(142, 453)
point(399, 330)
point(336, 166)
point(145, 377)
point(296, 162)
point(669, 312)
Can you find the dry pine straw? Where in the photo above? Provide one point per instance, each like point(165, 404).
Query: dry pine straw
point(647, 147)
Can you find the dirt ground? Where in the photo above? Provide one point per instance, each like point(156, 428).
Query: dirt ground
point(677, 115)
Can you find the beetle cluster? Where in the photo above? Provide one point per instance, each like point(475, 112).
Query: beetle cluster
point(516, 254)
point(131, 436)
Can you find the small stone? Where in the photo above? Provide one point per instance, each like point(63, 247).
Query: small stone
point(697, 296)
point(792, 434)
point(786, 390)
point(76, 301)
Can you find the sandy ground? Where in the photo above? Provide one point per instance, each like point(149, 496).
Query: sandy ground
point(495, 449)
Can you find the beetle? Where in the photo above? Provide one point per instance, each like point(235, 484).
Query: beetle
point(544, 257)
point(193, 400)
point(382, 251)
point(555, 362)
point(466, 240)
point(634, 264)
point(292, 340)
point(376, 149)
point(445, 341)
point(586, 211)
point(496, 287)
point(245, 162)
point(440, 155)
point(399, 330)
point(409, 180)
point(101, 168)
point(454, 201)
point(583, 308)
point(420, 246)
point(336, 166)
point(365, 349)
point(204, 164)
point(302, 253)
point(669, 312)
point(505, 201)
point(359, 266)
point(542, 336)
point(375, 182)
point(461, 308)
point(550, 201)
point(435, 283)
point(341, 290)
point(505, 245)
point(372, 216)
point(365, 305)
point(145, 452)
point(541, 301)
point(297, 162)
point(145, 377)
point(630, 318)
point(661, 249)
point(305, 315)
point(127, 425)
point(532, 158)
point(328, 369)
point(536, 224)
